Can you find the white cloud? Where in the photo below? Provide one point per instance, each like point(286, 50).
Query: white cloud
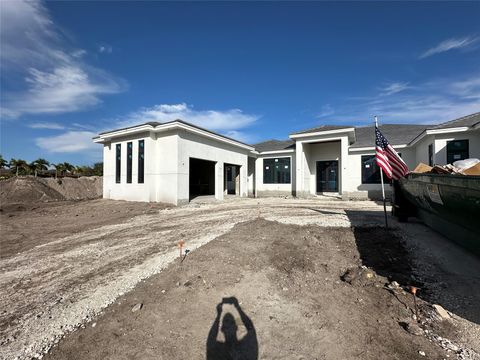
point(69, 142)
point(394, 88)
point(449, 44)
point(46, 125)
point(327, 110)
point(55, 78)
point(107, 49)
point(217, 120)
point(424, 103)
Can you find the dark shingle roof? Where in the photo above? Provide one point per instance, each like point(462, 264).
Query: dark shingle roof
point(469, 120)
point(397, 134)
point(321, 128)
point(274, 145)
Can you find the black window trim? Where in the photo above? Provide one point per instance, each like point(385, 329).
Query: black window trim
point(277, 157)
point(362, 169)
point(118, 163)
point(129, 159)
point(141, 163)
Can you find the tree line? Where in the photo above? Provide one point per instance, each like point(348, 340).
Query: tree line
point(45, 168)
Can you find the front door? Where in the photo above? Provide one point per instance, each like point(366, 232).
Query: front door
point(327, 176)
point(231, 175)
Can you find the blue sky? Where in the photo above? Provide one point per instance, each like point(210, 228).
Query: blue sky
point(253, 71)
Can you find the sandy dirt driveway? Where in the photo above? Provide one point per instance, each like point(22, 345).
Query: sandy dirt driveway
point(53, 287)
point(287, 256)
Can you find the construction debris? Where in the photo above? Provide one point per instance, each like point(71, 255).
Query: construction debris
point(461, 167)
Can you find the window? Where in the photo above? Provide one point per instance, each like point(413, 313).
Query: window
point(370, 170)
point(141, 160)
point(129, 162)
point(118, 162)
point(457, 150)
point(430, 154)
point(276, 171)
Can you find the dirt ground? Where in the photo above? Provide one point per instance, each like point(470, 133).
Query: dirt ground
point(266, 279)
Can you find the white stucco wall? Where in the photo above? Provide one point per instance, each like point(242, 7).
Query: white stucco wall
point(473, 138)
point(166, 166)
point(274, 189)
point(133, 191)
point(199, 147)
point(322, 152)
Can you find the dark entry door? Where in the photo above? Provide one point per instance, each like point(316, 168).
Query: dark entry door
point(327, 176)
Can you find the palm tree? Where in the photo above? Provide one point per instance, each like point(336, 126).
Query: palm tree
point(3, 163)
point(98, 169)
point(68, 167)
point(18, 164)
point(58, 168)
point(39, 165)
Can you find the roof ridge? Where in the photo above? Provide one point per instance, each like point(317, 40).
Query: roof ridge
point(457, 119)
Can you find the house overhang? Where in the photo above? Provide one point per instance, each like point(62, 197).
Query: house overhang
point(438, 132)
point(173, 125)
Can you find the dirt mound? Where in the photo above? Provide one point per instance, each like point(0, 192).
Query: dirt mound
point(24, 190)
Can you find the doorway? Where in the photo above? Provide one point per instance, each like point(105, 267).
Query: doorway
point(232, 179)
point(327, 176)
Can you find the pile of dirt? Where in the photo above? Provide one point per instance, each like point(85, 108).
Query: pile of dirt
point(24, 190)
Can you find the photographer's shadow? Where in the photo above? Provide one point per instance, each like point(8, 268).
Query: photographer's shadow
point(232, 349)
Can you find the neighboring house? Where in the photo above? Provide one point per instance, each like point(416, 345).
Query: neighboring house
point(176, 161)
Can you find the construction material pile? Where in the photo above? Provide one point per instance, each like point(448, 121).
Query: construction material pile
point(28, 189)
point(461, 167)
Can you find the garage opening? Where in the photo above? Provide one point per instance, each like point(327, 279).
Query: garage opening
point(201, 178)
point(231, 185)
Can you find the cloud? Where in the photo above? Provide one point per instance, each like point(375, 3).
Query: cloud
point(394, 88)
point(46, 125)
point(49, 76)
point(78, 137)
point(68, 142)
point(430, 102)
point(450, 44)
point(217, 120)
point(327, 110)
point(107, 49)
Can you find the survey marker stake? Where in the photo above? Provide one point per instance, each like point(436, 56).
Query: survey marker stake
point(184, 256)
point(180, 245)
point(413, 289)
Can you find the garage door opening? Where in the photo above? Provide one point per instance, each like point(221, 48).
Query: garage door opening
point(201, 178)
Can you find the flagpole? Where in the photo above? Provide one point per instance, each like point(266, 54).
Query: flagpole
point(383, 186)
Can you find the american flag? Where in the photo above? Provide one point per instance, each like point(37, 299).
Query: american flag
point(387, 158)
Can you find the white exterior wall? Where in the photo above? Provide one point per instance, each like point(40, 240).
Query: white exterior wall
point(166, 167)
point(473, 138)
point(133, 191)
point(274, 189)
point(199, 147)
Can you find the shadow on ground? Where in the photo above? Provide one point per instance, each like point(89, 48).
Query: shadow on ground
point(232, 348)
point(424, 259)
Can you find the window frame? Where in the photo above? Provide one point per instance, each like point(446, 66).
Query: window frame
point(272, 158)
point(118, 163)
point(430, 154)
point(362, 162)
point(450, 151)
point(141, 162)
point(129, 161)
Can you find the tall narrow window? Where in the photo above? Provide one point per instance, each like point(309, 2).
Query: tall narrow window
point(430, 154)
point(118, 162)
point(141, 161)
point(129, 162)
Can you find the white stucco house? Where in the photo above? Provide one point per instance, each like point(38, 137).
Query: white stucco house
point(175, 161)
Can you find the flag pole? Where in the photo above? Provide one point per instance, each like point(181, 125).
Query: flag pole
point(383, 186)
